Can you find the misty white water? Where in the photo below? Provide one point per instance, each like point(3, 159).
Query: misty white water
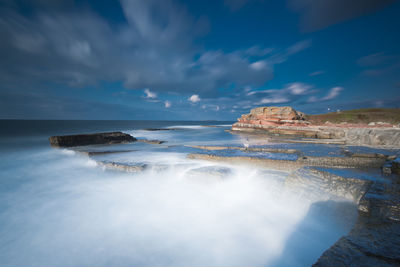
point(59, 208)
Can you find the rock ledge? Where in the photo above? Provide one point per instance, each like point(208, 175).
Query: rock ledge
point(90, 139)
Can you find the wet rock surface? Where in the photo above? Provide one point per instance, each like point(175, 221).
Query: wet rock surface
point(90, 139)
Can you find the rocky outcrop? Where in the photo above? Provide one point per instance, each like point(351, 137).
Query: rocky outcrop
point(273, 116)
point(287, 122)
point(90, 139)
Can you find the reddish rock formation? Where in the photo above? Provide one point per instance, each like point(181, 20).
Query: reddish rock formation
point(273, 116)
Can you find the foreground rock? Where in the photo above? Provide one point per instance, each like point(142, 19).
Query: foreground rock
point(285, 121)
point(375, 239)
point(90, 139)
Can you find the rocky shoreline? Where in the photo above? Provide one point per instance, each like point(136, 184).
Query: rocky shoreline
point(375, 238)
point(285, 121)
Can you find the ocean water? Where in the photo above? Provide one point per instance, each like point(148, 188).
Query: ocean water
point(59, 207)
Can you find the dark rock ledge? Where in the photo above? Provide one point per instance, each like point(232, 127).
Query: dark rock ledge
point(90, 139)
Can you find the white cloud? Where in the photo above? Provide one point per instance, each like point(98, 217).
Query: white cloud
point(194, 98)
point(167, 104)
point(298, 88)
point(259, 65)
point(150, 94)
point(333, 93)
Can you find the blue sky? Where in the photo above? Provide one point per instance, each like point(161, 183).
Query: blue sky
point(195, 60)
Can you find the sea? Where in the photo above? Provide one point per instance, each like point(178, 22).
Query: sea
point(61, 207)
